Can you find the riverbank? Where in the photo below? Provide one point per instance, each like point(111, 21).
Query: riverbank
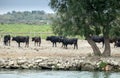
point(76, 63)
point(57, 58)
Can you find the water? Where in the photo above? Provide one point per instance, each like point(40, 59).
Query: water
point(56, 74)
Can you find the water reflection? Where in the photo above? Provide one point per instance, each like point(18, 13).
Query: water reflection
point(101, 74)
point(56, 74)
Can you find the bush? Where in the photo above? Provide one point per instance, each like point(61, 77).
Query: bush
point(102, 65)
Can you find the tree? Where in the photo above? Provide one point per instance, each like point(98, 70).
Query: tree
point(26, 17)
point(87, 17)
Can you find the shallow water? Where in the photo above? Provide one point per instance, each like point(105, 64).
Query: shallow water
point(56, 74)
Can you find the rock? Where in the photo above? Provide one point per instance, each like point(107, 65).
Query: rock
point(11, 62)
point(24, 66)
point(80, 63)
point(20, 62)
point(108, 68)
point(87, 67)
point(38, 60)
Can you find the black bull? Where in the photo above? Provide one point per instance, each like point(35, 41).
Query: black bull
point(117, 44)
point(37, 40)
point(7, 40)
point(23, 39)
point(99, 39)
point(67, 41)
point(64, 41)
point(54, 40)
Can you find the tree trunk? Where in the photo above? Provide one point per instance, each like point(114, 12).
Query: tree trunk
point(96, 50)
point(107, 50)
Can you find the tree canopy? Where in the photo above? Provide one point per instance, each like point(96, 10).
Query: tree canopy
point(27, 17)
point(87, 17)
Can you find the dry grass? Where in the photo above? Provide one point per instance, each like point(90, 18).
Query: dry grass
point(46, 50)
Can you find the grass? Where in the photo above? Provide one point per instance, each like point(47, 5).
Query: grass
point(28, 30)
point(25, 29)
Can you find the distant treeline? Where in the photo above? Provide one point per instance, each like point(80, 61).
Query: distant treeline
point(26, 17)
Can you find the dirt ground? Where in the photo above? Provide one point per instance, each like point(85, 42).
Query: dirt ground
point(46, 50)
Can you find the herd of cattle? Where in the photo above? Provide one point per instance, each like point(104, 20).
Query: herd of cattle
point(37, 40)
point(55, 39)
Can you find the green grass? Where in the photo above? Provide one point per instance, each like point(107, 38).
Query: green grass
point(25, 29)
point(28, 30)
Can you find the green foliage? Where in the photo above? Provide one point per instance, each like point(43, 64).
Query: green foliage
point(102, 65)
point(84, 17)
point(26, 17)
point(115, 30)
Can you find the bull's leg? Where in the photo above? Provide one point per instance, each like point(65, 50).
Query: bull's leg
point(9, 42)
point(55, 45)
point(34, 44)
point(115, 44)
point(18, 44)
point(62, 45)
point(66, 46)
point(27, 44)
point(4, 43)
point(102, 44)
point(39, 44)
point(76, 45)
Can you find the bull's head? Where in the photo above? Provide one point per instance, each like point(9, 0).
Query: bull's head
point(33, 39)
point(13, 38)
point(48, 38)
